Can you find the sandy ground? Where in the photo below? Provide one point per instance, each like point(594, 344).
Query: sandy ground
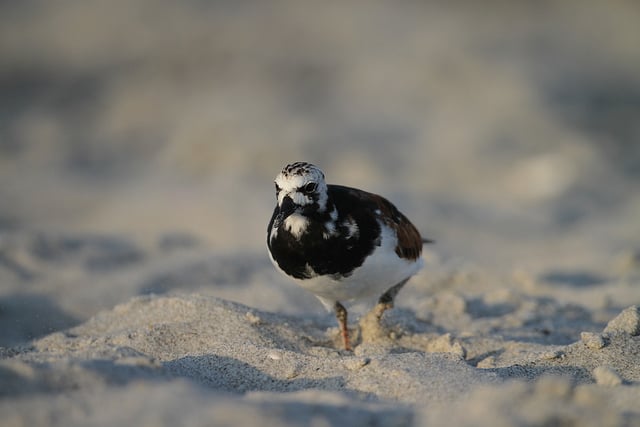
point(138, 145)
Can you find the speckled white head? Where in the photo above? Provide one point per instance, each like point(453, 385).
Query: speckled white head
point(304, 184)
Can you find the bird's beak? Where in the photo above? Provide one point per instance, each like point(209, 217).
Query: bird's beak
point(287, 207)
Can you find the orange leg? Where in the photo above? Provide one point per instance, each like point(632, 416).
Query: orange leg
point(386, 300)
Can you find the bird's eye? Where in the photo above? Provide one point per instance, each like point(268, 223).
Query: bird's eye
point(278, 189)
point(309, 188)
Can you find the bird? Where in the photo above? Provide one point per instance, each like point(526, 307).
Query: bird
point(340, 243)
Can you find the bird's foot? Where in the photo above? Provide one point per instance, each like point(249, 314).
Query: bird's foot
point(371, 325)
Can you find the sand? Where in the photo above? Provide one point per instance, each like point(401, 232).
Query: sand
point(446, 355)
point(138, 145)
point(198, 360)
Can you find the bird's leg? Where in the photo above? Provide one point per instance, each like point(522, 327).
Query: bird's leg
point(385, 302)
point(341, 315)
point(371, 325)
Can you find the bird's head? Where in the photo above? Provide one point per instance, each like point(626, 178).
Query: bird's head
point(300, 188)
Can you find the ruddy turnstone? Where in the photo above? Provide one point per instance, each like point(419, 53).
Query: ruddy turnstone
point(340, 243)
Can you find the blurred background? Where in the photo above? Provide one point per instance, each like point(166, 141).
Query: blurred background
point(507, 131)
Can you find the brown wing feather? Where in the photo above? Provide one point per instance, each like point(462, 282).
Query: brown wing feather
point(409, 240)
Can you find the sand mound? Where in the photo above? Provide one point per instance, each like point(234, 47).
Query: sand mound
point(226, 361)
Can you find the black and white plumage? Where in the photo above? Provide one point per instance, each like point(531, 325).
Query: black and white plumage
point(340, 243)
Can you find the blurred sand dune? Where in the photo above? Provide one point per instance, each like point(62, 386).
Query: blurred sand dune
point(501, 117)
